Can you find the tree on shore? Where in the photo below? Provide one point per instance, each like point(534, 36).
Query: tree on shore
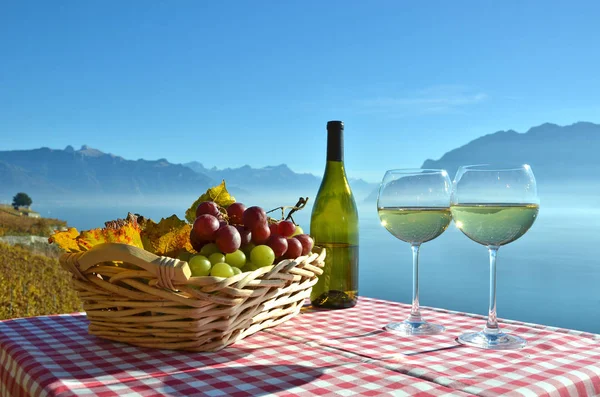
point(21, 200)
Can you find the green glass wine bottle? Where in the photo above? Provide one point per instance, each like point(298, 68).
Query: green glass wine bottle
point(334, 226)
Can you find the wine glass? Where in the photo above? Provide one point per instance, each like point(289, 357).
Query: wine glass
point(414, 206)
point(494, 206)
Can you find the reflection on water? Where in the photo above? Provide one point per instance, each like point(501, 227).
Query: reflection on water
point(548, 276)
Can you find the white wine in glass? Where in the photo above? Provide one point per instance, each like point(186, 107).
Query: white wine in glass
point(494, 206)
point(414, 206)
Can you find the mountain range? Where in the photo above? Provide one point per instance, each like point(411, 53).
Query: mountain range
point(555, 153)
point(54, 173)
point(86, 171)
point(272, 178)
point(552, 151)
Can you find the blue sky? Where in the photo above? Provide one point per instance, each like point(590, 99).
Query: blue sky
point(229, 83)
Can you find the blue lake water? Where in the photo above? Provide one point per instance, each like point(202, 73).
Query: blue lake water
point(549, 276)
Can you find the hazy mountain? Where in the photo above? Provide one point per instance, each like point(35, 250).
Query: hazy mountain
point(277, 178)
point(90, 171)
point(554, 152)
point(12, 175)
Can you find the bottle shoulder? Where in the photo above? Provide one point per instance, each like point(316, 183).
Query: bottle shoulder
point(335, 181)
point(335, 201)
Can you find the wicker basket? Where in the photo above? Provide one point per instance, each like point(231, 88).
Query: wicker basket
point(131, 295)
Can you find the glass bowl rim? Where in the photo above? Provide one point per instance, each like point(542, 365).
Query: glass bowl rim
point(416, 171)
point(494, 167)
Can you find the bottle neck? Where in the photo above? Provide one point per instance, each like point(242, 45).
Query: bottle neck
point(335, 145)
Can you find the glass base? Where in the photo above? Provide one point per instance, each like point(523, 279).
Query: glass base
point(414, 328)
point(499, 341)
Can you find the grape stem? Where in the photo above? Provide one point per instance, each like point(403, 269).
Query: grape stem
point(293, 208)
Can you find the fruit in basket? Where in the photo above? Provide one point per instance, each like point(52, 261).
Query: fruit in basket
point(245, 235)
point(235, 212)
point(184, 256)
point(274, 229)
point(217, 257)
point(208, 208)
point(236, 259)
point(205, 227)
point(262, 255)
point(199, 266)
point(278, 244)
point(247, 249)
point(217, 194)
point(286, 228)
point(306, 241)
point(294, 248)
point(218, 236)
point(228, 239)
point(221, 269)
point(298, 230)
point(209, 249)
point(260, 233)
point(197, 244)
point(254, 216)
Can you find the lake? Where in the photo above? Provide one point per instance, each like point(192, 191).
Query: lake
point(549, 276)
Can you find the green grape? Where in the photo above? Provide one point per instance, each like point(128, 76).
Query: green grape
point(184, 256)
point(221, 269)
point(262, 255)
point(217, 257)
point(298, 231)
point(250, 266)
point(236, 270)
point(247, 249)
point(199, 265)
point(236, 259)
point(209, 249)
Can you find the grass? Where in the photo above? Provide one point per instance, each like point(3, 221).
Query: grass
point(13, 224)
point(32, 282)
point(8, 210)
point(33, 285)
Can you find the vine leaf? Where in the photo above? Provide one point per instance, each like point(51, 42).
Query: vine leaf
point(66, 240)
point(218, 194)
point(125, 231)
point(169, 237)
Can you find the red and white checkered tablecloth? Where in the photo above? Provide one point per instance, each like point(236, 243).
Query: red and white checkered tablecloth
point(342, 352)
point(54, 355)
point(555, 362)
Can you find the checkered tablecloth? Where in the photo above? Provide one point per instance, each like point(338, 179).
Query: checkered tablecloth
point(342, 352)
point(555, 362)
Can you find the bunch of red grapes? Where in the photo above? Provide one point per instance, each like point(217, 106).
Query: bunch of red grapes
point(246, 229)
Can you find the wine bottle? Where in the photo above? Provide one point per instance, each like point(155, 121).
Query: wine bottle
point(334, 226)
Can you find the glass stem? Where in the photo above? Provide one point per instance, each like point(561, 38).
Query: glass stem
point(415, 313)
point(491, 327)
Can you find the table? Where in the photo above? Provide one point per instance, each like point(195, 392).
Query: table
point(342, 352)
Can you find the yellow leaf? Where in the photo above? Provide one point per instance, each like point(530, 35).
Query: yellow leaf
point(126, 234)
point(218, 194)
point(126, 231)
point(168, 237)
point(66, 240)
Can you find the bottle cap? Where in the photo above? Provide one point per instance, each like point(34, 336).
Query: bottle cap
point(335, 125)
